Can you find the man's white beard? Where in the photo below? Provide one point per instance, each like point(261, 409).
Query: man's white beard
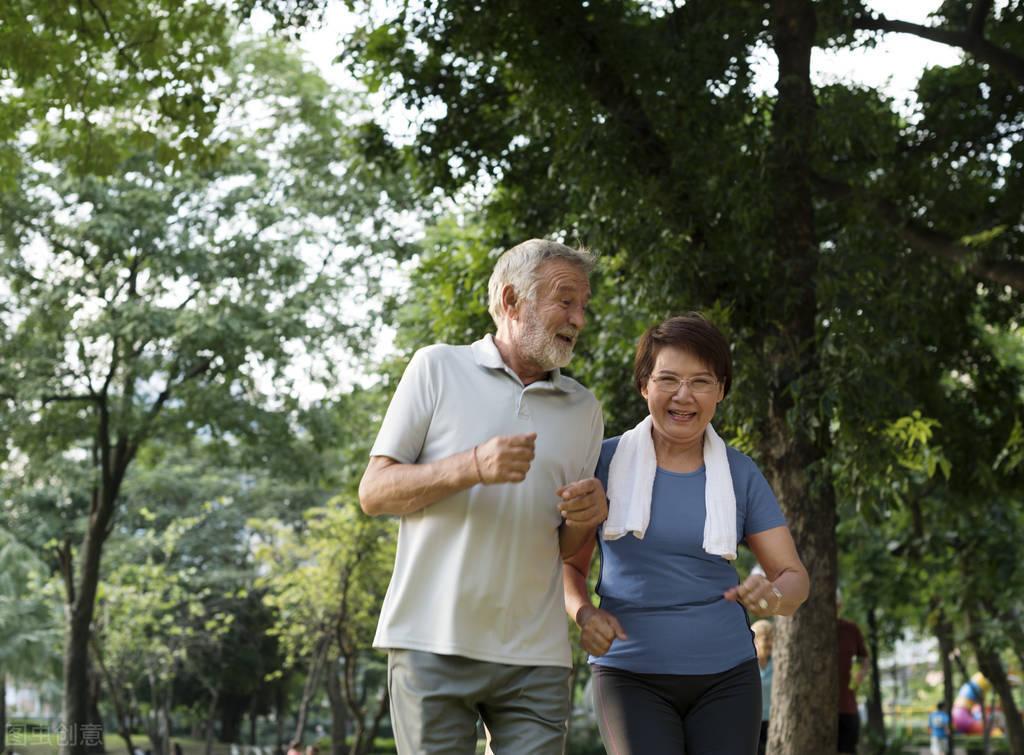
point(544, 349)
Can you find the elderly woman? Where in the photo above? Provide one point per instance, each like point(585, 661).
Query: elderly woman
point(674, 664)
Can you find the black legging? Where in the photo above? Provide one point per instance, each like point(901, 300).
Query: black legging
point(700, 714)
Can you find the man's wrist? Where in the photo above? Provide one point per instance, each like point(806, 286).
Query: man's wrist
point(476, 466)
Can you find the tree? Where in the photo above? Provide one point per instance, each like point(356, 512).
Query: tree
point(154, 618)
point(162, 302)
point(841, 247)
point(95, 82)
point(221, 679)
point(327, 588)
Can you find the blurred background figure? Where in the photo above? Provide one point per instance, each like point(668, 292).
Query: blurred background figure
point(763, 630)
point(850, 645)
point(938, 727)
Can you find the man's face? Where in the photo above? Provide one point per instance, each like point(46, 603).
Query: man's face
point(550, 322)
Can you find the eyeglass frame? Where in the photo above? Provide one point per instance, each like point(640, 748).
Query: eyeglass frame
point(680, 382)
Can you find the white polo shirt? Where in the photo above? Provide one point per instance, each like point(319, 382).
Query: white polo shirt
point(478, 574)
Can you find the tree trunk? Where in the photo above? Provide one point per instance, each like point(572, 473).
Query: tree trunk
point(165, 722)
point(339, 712)
point(124, 723)
point(76, 668)
point(211, 714)
point(279, 703)
point(944, 634)
point(158, 722)
point(358, 738)
point(876, 718)
point(3, 712)
point(253, 716)
point(794, 442)
point(316, 664)
point(81, 601)
point(95, 744)
point(356, 708)
point(992, 667)
point(382, 709)
point(1011, 622)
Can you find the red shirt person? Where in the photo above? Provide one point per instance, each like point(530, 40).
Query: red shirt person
point(850, 645)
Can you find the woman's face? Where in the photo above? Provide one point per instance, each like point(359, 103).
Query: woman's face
point(680, 417)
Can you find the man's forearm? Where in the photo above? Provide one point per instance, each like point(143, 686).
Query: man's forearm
point(390, 487)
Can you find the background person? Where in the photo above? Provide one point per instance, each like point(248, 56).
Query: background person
point(850, 646)
point(763, 630)
point(938, 728)
point(674, 666)
point(487, 454)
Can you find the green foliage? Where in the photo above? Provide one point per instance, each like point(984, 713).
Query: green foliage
point(155, 613)
point(326, 587)
point(452, 272)
point(162, 303)
point(29, 613)
point(911, 435)
point(96, 82)
point(328, 582)
point(177, 261)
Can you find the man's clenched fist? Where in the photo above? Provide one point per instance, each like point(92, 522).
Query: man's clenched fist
point(505, 458)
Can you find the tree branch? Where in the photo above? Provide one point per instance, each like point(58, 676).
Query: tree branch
point(132, 446)
point(119, 49)
point(57, 398)
point(968, 39)
point(115, 362)
point(928, 241)
point(980, 11)
point(65, 559)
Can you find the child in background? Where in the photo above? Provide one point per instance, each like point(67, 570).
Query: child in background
point(938, 724)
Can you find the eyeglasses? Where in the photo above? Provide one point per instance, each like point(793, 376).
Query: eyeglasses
point(670, 384)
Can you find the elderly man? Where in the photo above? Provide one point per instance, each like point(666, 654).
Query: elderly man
point(487, 453)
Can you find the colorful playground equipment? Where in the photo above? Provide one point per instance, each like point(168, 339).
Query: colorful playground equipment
point(967, 708)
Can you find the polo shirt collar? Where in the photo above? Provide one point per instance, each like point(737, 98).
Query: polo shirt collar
point(486, 353)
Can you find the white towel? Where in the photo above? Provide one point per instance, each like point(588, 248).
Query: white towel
point(631, 483)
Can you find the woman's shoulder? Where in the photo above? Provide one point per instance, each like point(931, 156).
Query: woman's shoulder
point(608, 446)
point(746, 475)
point(738, 457)
point(740, 463)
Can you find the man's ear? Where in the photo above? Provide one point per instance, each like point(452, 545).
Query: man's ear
point(509, 301)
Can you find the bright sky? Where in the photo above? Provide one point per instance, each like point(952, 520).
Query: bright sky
point(893, 66)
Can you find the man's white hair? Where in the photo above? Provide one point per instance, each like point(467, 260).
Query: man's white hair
point(518, 267)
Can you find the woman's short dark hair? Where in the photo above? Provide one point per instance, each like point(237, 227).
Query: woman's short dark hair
point(692, 333)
